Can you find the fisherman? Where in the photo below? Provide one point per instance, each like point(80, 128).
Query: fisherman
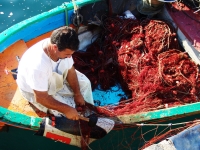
point(47, 78)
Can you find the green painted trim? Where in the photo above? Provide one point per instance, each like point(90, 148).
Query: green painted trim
point(22, 120)
point(18, 119)
point(163, 114)
point(23, 24)
point(66, 15)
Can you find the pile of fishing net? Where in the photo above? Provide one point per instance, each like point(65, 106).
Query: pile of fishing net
point(145, 58)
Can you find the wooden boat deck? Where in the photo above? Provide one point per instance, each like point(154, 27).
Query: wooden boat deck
point(12, 100)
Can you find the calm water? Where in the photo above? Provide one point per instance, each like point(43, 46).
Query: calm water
point(14, 11)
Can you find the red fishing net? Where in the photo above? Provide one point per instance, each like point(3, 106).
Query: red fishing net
point(145, 58)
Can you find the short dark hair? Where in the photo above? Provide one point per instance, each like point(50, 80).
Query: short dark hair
point(65, 37)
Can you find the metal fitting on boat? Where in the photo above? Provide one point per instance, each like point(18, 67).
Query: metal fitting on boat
point(149, 7)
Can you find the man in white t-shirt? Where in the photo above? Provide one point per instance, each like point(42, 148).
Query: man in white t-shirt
point(46, 76)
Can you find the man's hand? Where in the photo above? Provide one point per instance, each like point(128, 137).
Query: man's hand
point(71, 114)
point(79, 100)
point(49, 102)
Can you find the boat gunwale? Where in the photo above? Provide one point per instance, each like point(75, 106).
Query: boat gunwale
point(15, 118)
point(19, 120)
point(8, 33)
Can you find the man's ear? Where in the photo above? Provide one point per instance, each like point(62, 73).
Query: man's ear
point(55, 47)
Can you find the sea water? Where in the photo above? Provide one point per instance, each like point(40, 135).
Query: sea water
point(14, 11)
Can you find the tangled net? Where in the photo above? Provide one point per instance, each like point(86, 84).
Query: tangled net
point(145, 58)
point(171, 132)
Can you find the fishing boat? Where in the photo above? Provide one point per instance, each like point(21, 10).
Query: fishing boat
point(113, 97)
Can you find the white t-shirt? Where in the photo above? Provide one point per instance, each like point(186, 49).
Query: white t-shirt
point(35, 68)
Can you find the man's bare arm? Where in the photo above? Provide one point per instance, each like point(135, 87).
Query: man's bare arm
point(74, 84)
point(49, 102)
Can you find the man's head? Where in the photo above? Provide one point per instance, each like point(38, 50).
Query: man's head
point(65, 38)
